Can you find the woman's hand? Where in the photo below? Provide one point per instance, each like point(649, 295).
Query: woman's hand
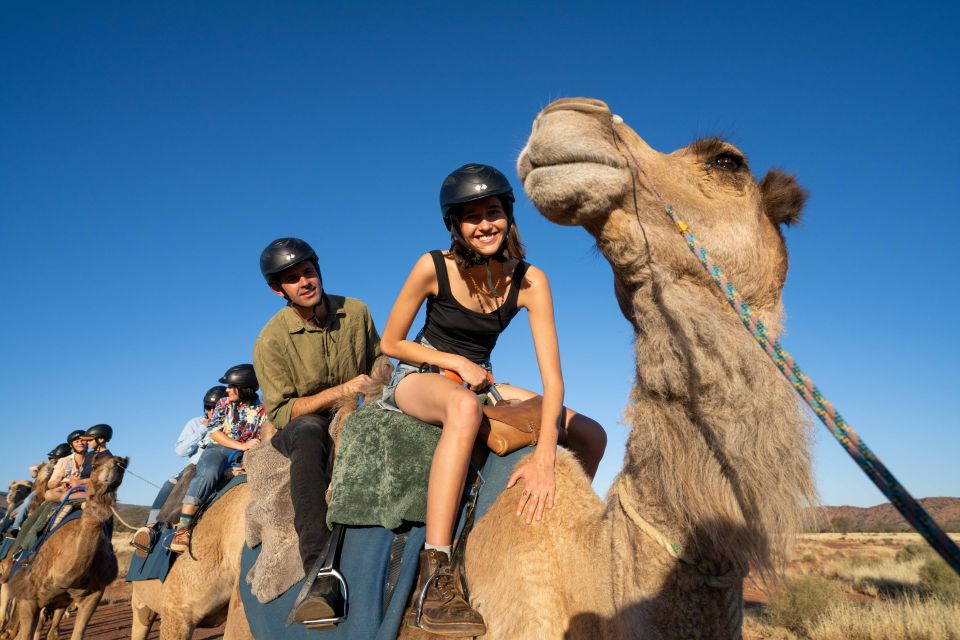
point(539, 487)
point(250, 444)
point(473, 374)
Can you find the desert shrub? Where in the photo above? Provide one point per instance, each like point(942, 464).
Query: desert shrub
point(951, 526)
point(856, 561)
point(937, 578)
point(799, 602)
point(842, 524)
point(809, 557)
point(911, 552)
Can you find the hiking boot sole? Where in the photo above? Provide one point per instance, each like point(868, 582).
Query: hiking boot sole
point(453, 629)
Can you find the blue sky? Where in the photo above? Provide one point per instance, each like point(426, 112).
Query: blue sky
point(150, 151)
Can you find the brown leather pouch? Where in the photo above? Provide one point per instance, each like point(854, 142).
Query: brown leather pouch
point(511, 424)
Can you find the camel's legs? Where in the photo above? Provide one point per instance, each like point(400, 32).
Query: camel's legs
point(4, 604)
point(55, 619)
point(85, 608)
point(175, 625)
point(143, 618)
point(237, 627)
point(27, 611)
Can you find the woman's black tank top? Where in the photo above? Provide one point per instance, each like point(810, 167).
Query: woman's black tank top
point(453, 328)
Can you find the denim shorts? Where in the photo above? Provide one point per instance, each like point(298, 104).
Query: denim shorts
point(403, 369)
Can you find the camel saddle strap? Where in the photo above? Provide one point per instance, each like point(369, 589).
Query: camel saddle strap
point(513, 424)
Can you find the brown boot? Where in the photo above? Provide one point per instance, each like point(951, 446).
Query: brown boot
point(442, 607)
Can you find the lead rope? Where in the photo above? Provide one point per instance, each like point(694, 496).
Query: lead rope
point(895, 492)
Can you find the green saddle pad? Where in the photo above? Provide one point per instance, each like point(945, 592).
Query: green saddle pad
point(382, 468)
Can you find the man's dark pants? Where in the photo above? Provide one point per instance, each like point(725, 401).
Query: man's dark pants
point(306, 442)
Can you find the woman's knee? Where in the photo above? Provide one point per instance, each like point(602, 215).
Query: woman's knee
point(588, 433)
point(462, 411)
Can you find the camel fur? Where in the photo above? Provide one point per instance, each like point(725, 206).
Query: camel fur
point(76, 563)
point(44, 471)
point(717, 457)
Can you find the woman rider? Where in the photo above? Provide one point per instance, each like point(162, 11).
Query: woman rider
point(472, 292)
point(234, 426)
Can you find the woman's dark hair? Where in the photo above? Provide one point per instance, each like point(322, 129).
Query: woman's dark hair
point(465, 258)
point(248, 396)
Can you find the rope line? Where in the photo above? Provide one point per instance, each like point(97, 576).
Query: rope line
point(122, 521)
point(895, 492)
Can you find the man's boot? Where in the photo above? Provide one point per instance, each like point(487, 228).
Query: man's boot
point(323, 602)
point(439, 601)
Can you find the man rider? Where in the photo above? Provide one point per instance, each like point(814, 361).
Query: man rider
point(66, 473)
point(314, 351)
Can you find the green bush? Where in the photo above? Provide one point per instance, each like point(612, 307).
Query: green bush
point(800, 601)
point(911, 552)
point(937, 578)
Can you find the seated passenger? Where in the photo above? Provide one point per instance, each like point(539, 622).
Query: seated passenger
point(188, 446)
point(66, 474)
point(18, 513)
point(97, 438)
point(235, 426)
point(472, 292)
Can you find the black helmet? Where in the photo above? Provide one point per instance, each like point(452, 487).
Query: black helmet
point(473, 182)
point(212, 395)
point(282, 254)
point(242, 375)
point(104, 431)
point(59, 451)
point(76, 434)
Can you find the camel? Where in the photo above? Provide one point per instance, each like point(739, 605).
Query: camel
point(198, 589)
point(77, 561)
point(717, 467)
point(44, 471)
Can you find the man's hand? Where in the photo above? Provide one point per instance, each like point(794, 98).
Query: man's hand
point(356, 385)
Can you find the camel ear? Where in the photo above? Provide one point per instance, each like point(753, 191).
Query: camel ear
point(783, 198)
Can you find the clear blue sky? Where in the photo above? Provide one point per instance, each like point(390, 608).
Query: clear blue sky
point(149, 151)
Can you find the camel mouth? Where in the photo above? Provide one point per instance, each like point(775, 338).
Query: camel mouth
point(530, 165)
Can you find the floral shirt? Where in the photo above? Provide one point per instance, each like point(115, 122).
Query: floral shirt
point(238, 421)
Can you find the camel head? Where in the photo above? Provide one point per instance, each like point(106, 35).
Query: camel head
point(577, 172)
point(44, 471)
point(707, 403)
point(106, 475)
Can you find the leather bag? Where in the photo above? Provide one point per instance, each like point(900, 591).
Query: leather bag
point(511, 424)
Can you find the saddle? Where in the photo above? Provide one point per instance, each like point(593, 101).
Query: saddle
point(510, 425)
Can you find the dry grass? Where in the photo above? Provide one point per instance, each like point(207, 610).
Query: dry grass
point(857, 586)
point(907, 618)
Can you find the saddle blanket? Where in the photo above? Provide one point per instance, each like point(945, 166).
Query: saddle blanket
point(374, 610)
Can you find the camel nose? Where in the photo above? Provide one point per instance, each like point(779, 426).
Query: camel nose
point(584, 105)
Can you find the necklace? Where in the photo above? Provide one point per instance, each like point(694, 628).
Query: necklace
point(492, 292)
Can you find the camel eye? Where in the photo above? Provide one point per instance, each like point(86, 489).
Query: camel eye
point(727, 162)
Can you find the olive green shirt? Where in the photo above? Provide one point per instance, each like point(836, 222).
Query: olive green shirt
point(294, 359)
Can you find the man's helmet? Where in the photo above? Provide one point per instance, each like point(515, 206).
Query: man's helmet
point(241, 375)
point(282, 254)
point(75, 435)
point(59, 451)
point(104, 431)
point(212, 395)
point(474, 182)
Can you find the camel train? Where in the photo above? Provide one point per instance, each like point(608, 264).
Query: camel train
point(73, 566)
point(717, 469)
